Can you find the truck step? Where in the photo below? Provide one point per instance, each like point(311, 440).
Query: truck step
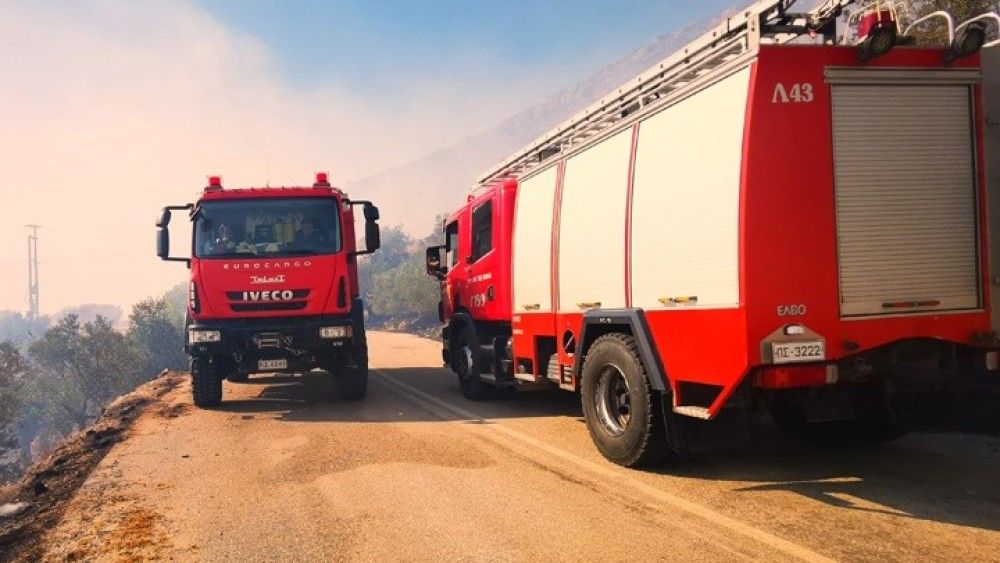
point(553, 372)
point(693, 412)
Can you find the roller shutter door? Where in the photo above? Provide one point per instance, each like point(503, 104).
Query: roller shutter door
point(905, 198)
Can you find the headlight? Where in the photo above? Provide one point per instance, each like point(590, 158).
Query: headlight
point(202, 336)
point(335, 332)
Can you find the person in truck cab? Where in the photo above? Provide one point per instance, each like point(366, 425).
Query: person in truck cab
point(309, 235)
point(223, 241)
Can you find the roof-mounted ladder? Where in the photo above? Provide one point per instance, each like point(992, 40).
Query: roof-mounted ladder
point(739, 35)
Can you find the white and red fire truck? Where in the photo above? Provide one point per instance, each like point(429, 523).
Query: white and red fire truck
point(780, 216)
point(274, 284)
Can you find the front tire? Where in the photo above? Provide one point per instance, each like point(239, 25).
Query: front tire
point(355, 378)
point(623, 413)
point(206, 384)
point(465, 364)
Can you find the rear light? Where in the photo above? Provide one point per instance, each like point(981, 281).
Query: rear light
point(788, 377)
point(193, 303)
point(791, 330)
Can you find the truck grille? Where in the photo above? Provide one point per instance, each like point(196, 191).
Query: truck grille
point(277, 300)
point(268, 306)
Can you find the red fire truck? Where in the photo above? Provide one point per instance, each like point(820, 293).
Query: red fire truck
point(274, 284)
point(779, 217)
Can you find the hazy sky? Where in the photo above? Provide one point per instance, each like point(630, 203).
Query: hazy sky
point(110, 110)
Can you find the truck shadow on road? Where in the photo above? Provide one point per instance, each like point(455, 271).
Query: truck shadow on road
point(936, 477)
point(314, 397)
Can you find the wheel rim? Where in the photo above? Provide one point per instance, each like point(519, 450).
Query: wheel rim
point(614, 405)
point(464, 360)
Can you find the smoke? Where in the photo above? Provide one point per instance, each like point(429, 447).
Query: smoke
point(111, 110)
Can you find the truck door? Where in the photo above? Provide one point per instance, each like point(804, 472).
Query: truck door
point(454, 282)
point(481, 259)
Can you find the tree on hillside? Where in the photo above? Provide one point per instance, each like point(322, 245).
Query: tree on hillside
point(12, 370)
point(406, 291)
point(933, 32)
point(90, 311)
point(17, 328)
point(177, 304)
point(397, 287)
point(79, 368)
point(394, 250)
point(155, 336)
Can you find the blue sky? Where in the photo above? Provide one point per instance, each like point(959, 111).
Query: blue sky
point(375, 45)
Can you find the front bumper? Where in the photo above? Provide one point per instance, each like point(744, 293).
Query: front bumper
point(272, 338)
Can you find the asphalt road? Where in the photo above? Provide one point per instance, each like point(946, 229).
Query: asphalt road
point(417, 472)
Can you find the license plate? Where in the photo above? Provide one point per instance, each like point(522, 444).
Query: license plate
point(792, 352)
point(264, 365)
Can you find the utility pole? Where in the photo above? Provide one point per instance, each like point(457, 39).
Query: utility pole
point(33, 312)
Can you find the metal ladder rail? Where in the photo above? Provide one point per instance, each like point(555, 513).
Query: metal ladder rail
point(734, 37)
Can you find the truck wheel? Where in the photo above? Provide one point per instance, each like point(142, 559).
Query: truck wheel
point(873, 422)
point(622, 411)
point(465, 363)
point(206, 385)
point(355, 383)
point(354, 378)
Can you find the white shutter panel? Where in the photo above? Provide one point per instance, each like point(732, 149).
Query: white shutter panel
point(906, 198)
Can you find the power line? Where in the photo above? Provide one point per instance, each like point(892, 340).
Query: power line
point(12, 264)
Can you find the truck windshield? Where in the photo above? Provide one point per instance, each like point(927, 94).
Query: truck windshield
point(267, 227)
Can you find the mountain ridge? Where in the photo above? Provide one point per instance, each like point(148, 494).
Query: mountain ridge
point(437, 181)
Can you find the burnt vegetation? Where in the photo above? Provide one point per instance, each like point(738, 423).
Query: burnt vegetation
point(57, 376)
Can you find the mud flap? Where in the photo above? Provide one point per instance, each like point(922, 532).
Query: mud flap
point(685, 434)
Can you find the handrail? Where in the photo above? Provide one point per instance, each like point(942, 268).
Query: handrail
point(937, 14)
point(987, 16)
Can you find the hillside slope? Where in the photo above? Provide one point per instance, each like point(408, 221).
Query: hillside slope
point(415, 193)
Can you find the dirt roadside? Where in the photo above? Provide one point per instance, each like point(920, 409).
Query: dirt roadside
point(38, 501)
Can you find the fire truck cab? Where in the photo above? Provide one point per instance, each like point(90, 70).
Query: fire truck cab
point(754, 223)
point(274, 284)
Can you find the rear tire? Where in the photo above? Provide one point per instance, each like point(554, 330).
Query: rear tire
point(623, 413)
point(206, 384)
point(873, 424)
point(465, 363)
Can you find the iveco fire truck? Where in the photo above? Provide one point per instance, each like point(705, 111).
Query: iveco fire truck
point(786, 215)
point(274, 284)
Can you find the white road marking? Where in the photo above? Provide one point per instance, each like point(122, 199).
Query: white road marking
point(619, 475)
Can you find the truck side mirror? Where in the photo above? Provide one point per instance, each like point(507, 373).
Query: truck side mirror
point(164, 219)
point(163, 243)
point(433, 262)
point(163, 234)
point(373, 236)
